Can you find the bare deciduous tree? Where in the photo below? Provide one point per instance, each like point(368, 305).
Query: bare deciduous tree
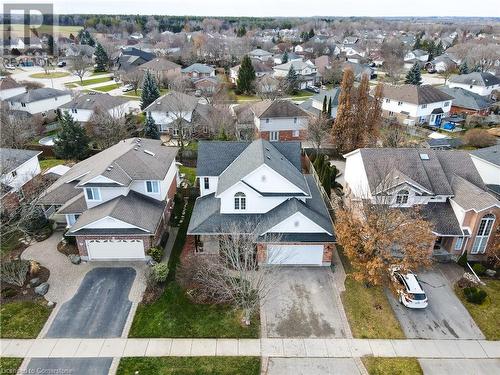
point(79, 66)
point(16, 130)
point(107, 129)
point(318, 130)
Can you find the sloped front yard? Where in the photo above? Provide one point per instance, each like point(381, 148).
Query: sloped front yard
point(23, 319)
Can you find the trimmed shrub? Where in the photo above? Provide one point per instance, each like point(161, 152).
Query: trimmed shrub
point(479, 269)
point(156, 254)
point(14, 272)
point(159, 272)
point(475, 295)
point(462, 261)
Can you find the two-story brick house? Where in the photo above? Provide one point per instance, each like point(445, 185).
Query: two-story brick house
point(444, 184)
point(117, 203)
point(260, 186)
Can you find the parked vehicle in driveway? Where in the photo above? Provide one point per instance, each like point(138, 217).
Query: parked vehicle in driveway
point(128, 88)
point(410, 291)
point(61, 64)
point(10, 67)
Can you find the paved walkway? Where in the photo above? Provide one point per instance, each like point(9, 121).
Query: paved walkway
point(289, 348)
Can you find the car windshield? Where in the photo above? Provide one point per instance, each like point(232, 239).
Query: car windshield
point(419, 296)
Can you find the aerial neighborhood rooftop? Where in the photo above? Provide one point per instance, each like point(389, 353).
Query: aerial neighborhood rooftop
point(250, 195)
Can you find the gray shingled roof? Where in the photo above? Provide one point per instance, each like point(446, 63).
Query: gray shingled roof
point(93, 100)
point(442, 217)
point(13, 158)
point(490, 154)
point(470, 197)
point(477, 79)
point(160, 64)
point(424, 94)
point(207, 219)
point(173, 102)
point(133, 208)
point(278, 109)
point(466, 99)
point(197, 67)
point(38, 94)
point(260, 152)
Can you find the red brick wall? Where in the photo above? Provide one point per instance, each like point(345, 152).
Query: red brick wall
point(286, 135)
point(172, 189)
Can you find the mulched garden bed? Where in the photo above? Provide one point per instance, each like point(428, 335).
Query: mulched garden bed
point(67, 248)
point(13, 293)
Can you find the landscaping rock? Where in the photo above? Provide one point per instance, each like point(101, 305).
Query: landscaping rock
point(35, 281)
point(491, 273)
point(42, 289)
point(51, 304)
point(75, 259)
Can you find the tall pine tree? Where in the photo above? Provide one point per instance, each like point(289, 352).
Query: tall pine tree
point(324, 109)
point(292, 80)
point(329, 109)
point(246, 76)
point(463, 68)
point(341, 130)
point(150, 128)
point(150, 90)
point(284, 59)
point(413, 77)
point(72, 142)
point(101, 59)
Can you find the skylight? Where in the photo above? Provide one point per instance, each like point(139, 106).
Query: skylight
point(149, 152)
point(424, 156)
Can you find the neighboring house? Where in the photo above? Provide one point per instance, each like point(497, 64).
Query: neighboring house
point(292, 56)
point(408, 64)
point(75, 50)
point(117, 203)
point(445, 143)
point(176, 106)
point(314, 105)
point(83, 107)
point(487, 162)
point(441, 64)
point(444, 184)
point(480, 83)
point(350, 40)
point(412, 104)
point(260, 54)
point(45, 101)
point(198, 70)
point(279, 120)
point(467, 102)
point(259, 67)
point(417, 54)
point(10, 88)
point(130, 58)
point(206, 86)
point(18, 170)
point(259, 186)
point(267, 84)
point(359, 70)
point(306, 71)
point(162, 68)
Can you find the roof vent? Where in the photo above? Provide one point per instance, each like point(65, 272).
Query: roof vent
point(268, 157)
point(149, 152)
point(108, 169)
point(135, 148)
point(424, 156)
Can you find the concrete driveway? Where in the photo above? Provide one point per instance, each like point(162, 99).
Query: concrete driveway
point(444, 318)
point(460, 366)
point(303, 303)
point(99, 308)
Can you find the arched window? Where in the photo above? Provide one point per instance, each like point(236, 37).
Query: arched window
point(240, 201)
point(483, 233)
point(402, 197)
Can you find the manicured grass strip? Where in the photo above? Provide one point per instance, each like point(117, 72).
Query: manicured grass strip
point(23, 320)
point(49, 163)
point(302, 94)
point(174, 315)
point(190, 365)
point(486, 315)
point(392, 366)
point(92, 81)
point(189, 172)
point(9, 365)
point(368, 311)
point(98, 73)
point(50, 75)
point(107, 88)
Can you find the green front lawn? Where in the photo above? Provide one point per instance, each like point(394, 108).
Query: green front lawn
point(486, 315)
point(392, 366)
point(49, 75)
point(189, 172)
point(190, 365)
point(368, 311)
point(23, 320)
point(107, 88)
point(92, 81)
point(49, 163)
point(302, 94)
point(9, 365)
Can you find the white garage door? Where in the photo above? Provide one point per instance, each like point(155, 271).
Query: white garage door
point(295, 254)
point(115, 249)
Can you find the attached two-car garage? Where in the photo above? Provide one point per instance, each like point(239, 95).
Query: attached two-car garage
point(306, 255)
point(115, 249)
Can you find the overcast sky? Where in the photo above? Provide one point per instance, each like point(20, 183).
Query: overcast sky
point(294, 8)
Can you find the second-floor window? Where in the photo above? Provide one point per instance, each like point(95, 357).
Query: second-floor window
point(93, 194)
point(387, 100)
point(240, 201)
point(424, 105)
point(74, 110)
point(400, 103)
point(14, 174)
point(295, 120)
point(446, 104)
point(402, 197)
point(152, 187)
point(206, 183)
point(267, 121)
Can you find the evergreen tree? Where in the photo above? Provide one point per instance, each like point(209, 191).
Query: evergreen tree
point(418, 43)
point(50, 45)
point(324, 109)
point(84, 37)
point(292, 80)
point(439, 49)
point(413, 77)
point(150, 90)
point(284, 59)
point(311, 33)
point(329, 110)
point(150, 128)
point(463, 68)
point(326, 179)
point(72, 142)
point(101, 59)
point(246, 76)
point(343, 125)
point(431, 48)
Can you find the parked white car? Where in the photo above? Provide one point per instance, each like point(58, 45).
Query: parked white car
point(128, 88)
point(410, 291)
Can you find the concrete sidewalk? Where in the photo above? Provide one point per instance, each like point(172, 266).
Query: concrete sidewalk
point(288, 348)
